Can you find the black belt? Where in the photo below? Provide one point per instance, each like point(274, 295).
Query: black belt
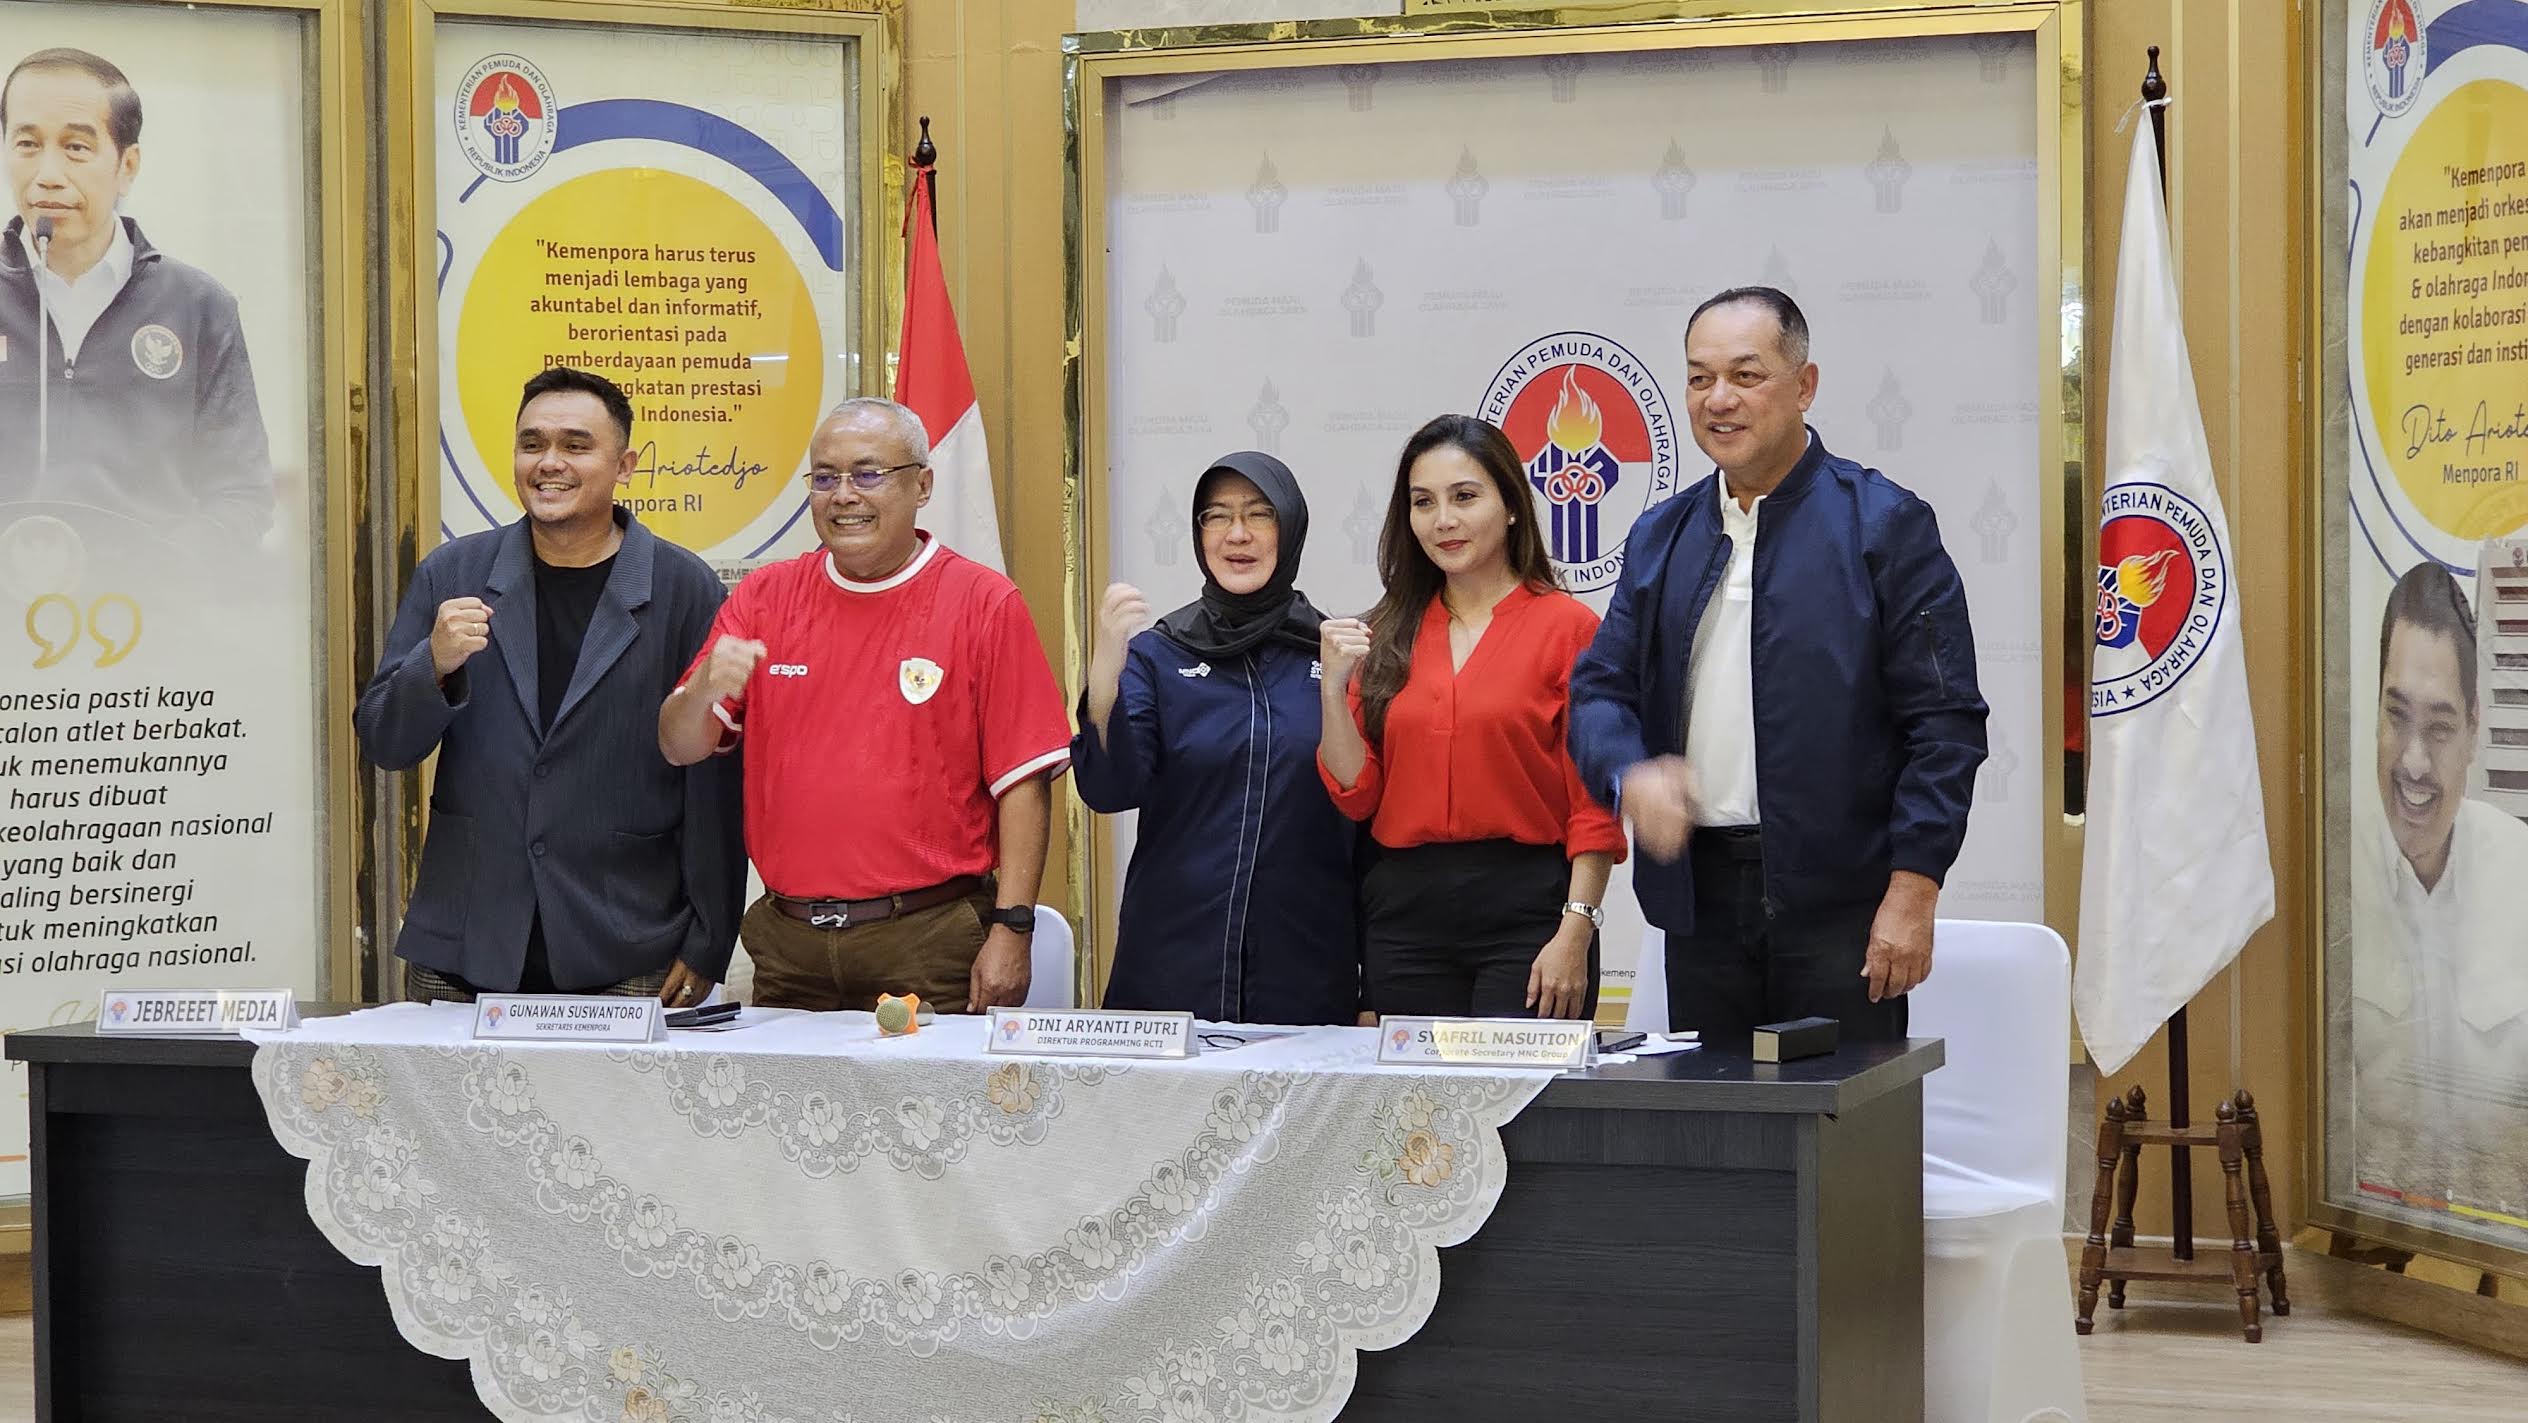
point(1734, 842)
point(847, 913)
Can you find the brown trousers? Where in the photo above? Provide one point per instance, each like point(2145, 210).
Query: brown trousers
point(929, 952)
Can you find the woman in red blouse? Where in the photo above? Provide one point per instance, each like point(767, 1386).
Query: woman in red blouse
point(1450, 743)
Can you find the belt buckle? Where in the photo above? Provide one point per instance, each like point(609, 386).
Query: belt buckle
point(829, 914)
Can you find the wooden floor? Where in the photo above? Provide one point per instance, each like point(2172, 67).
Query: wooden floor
point(2160, 1364)
point(2170, 1361)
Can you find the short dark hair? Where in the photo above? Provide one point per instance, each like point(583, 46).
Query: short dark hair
point(122, 101)
point(1773, 299)
point(2428, 599)
point(563, 378)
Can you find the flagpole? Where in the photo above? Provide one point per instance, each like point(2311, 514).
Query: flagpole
point(2180, 1087)
point(926, 160)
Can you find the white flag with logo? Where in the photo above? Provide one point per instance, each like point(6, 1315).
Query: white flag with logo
point(2175, 875)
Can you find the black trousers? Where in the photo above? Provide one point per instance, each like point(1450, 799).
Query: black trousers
point(1453, 930)
point(1744, 966)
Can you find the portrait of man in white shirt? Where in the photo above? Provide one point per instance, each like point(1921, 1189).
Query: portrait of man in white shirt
point(2440, 927)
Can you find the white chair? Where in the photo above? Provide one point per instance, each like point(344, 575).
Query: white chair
point(1997, 1299)
point(1647, 1010)
point(1049, 967)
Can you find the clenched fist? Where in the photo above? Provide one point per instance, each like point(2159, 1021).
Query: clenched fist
point(1659, 799)
point(1121, 615)
point(463, 628)
point(732, 662)
point(1341, 644)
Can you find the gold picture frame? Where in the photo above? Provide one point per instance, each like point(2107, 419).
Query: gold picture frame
point(1435, 31)
point(2325, 668)
point(338, 173)
point(408, 473)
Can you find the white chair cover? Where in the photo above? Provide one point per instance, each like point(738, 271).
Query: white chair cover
point(1647, 1010)
point(1049, 983)
point(1997, 1303)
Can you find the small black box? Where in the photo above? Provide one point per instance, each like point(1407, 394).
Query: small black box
point(1788, 1042)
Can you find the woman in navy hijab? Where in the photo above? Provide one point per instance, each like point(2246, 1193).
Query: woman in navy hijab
point(1239, 903)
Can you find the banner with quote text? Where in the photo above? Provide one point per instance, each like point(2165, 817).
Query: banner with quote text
point(160, 646)
point(2426, 978)
point(666, 208)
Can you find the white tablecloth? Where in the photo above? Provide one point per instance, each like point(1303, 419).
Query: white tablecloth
point(801, 1222)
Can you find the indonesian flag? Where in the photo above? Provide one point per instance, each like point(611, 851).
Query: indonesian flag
point(2175, 874)
point(932, 379)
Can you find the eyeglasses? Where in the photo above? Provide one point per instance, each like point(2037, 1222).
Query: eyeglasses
point(1215, 519)
point(826, 481)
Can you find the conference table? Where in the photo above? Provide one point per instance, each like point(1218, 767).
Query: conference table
point(1686, 1237)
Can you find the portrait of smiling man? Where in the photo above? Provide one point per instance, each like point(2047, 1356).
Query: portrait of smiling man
point(124, 380)
point(563, 853)
point(901, 728)
point(2440, 897)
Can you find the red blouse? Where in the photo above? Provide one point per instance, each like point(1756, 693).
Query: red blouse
point(1480, 752)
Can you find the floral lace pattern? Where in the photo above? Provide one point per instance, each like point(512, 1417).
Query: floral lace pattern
point(1015, 1103)
point(661, 1236)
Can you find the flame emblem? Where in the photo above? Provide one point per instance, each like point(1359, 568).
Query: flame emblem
point(1573, 429)
point(2141, 578)
point(507, 121)
point(2126, 589)
point(1575, 423)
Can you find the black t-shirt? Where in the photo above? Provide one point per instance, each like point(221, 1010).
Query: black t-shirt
point(565, 600)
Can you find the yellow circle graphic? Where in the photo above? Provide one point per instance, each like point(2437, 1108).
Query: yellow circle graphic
point(671, 289)
point(2444, 313)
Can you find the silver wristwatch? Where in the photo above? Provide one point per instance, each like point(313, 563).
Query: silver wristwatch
point(1590, 912)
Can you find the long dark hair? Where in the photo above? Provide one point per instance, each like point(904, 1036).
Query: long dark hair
point(1409, 577)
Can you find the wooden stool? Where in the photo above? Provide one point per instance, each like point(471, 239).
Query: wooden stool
point(2112, 1258)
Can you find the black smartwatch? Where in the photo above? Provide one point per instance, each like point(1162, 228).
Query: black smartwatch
point(1018, 918)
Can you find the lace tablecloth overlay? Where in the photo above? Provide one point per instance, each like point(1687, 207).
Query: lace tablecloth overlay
point(800, 1222)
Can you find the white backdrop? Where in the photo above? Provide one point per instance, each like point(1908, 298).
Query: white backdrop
point(1314, 261)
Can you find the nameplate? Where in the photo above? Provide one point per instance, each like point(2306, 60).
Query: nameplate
point(1484, 1042)
point(162, 1012)
point(558, 1018)
point(1087, 1032)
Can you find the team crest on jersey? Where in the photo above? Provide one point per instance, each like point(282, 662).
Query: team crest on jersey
point(918, 678)
point(1594, 431)
point(2163, 583)
point(157, 352)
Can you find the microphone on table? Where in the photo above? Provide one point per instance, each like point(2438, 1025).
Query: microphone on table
point(43, 243)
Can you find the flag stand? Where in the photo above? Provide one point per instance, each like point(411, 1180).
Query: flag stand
point(2109, 1256)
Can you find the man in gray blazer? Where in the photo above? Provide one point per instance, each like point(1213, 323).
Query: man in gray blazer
point(564, 854)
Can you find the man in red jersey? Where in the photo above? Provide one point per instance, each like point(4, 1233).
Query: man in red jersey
point(902, 731)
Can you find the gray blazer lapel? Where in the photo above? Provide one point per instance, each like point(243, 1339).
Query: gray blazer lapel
point(615, 624)
point(512, 596)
